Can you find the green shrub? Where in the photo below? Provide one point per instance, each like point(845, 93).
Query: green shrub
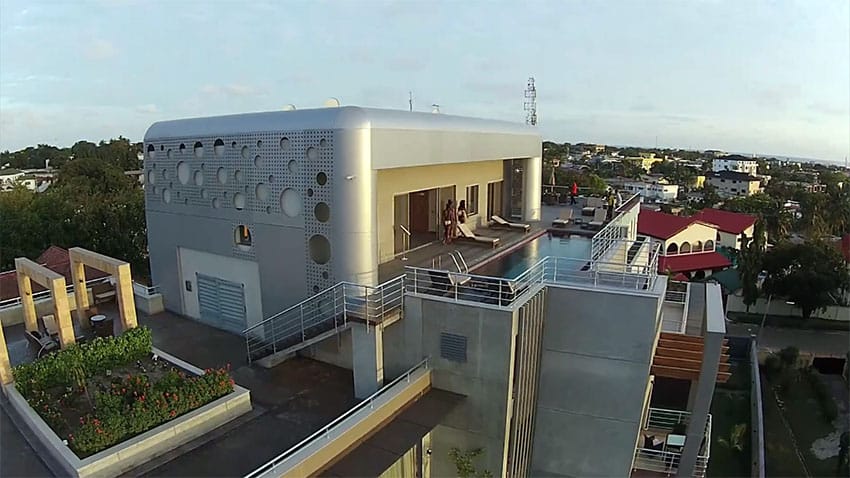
point(59, 369)
point(789, 357)
point(134, 405)
point(824, 397)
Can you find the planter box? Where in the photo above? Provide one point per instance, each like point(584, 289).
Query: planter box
point(144, 447)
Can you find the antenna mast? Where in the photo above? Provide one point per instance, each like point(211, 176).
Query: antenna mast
point(410, 99)
point(530, 104)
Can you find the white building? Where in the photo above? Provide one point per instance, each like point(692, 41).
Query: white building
point(653, 190)
point(735, 163)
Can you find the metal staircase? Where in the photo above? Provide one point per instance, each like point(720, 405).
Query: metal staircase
point(321, 316)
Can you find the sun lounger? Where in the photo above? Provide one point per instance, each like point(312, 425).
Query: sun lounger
point(42, 342)
point(499, 221)
point(564, 219)
point(598, 219)
point(467, 234)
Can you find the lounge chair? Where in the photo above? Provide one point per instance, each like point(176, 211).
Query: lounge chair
point(50, 326)
point(564, 219)
point(499, 221)
point(42, 342)
point(467, 234)
point(598, 221)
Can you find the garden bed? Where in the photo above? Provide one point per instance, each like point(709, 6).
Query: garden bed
point(103, 398)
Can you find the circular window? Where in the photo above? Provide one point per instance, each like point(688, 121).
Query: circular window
point(166, 195)
point(199, 178)
point(221, 174)
point(284, 143)
point(309, 192)
point(233, 145)
point(259, 143)
point(325, 275)
point(323, 143)
point(262, 192)
point(322, 212)
point(182, 148)
point(199, 150)
point(183, 172)
point(271, 178)
point(151, 177)
point(268, 209)
point(218, 148)
point(293, 166)
point(312, 153)
point(205, 194)
point(322, 179)
point(151, 152)
point(258, 161)
point(161, 147)
point(239, 201)
point(290, 202)
point(320, 249)
point(216, 203)
point(242, 237)
point(245, 152)
point(316, 289)
point(238, 176)
point(168, 153)
point(164, 174)
point(186, 202)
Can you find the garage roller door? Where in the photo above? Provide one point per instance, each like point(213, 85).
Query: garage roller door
point(222, 303)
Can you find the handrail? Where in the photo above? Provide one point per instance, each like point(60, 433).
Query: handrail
point(69, 288)
point(462, 261)
point(327, 430)
point(405, 244)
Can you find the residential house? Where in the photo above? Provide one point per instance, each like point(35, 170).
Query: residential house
point(733, 184)
point(731, 226)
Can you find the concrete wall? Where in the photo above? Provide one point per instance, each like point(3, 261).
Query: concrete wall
point(334, 350)
point(480, 421)
point(15, 315)
point(692, 234)
point(735, 303)
point(391, 182)
point(597, 352)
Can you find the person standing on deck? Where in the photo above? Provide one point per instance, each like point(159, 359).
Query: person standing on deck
point(612, 200)
point(573, 194)
point(449, 222)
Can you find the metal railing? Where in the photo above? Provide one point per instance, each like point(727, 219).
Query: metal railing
point(334, 429)
point(405, 241)
point(667, 461)
point(502, 292)
point(330, 309)
point(145, 290)
point(45, 294)
point(622, 227)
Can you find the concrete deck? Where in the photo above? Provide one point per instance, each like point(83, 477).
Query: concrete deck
point(373, 456)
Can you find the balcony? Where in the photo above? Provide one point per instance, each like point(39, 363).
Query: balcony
point(656, 453)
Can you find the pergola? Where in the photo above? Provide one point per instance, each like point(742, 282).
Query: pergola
point(28, 271)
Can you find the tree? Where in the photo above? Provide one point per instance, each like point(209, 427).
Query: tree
point(777, 219)
point(813, 275)
point(750, 261)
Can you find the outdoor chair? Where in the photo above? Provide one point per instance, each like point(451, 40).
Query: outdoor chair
point(41, 342)
point(499, 221)
point(467, 234)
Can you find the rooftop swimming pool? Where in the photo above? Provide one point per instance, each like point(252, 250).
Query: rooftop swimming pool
point(518, 261)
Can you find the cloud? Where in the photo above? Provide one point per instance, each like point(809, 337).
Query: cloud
point(405, 63)
point(149, 108)
point(232, 90)
point(99, 50)
point(642, 107)
point(830, 109)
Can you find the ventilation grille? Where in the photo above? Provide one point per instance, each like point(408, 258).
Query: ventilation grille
point(453, 347)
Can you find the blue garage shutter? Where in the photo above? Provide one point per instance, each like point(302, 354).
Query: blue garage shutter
point(221, 303)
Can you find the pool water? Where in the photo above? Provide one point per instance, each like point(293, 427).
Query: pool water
point(520, 260)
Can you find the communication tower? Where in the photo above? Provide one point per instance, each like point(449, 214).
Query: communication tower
point(530, 104)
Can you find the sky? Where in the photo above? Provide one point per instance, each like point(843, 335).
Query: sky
point(770, 77)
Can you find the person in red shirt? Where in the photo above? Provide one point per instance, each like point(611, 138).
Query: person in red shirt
point(573, 194)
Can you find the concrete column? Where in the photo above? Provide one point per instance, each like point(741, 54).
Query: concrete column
point(532, 188)
point(701, 403)
point(27, 304)
point(81, 295)
point(367, 349)
point(126, 301)
point(62, 312)
point(5, 366)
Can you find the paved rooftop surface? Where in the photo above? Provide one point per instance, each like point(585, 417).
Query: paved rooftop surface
point(290, 402)
point(373, 456)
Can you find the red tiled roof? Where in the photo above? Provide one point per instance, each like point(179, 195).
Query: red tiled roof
point(680, 277)
point(726, 221)
point(661, 225)
point(692, 262)
point(54, 258)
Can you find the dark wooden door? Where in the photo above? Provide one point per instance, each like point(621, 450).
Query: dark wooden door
point(419, 209)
